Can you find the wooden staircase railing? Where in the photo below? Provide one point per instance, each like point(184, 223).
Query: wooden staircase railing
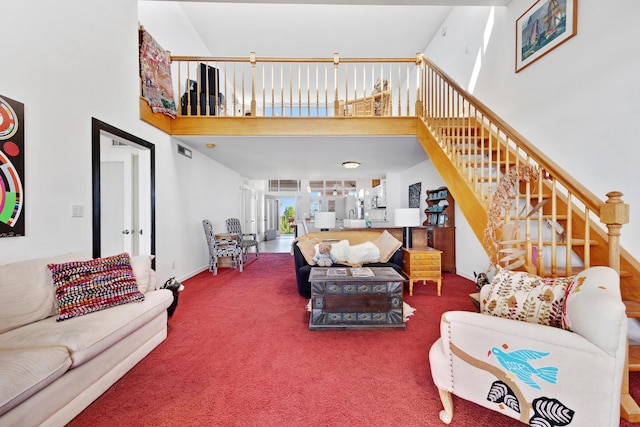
point(553, 221)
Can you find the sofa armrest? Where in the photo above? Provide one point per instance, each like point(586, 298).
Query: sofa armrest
point(396, 258)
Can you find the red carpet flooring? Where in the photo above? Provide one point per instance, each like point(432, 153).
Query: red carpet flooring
point(239, 353)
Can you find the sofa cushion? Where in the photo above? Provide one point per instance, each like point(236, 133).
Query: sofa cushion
point(526, 297)
point(387, 245)
point(87, 286)
point(363, 253)
point(25, 371)
point(27, 292)
point(87, 336)
point(142, 271)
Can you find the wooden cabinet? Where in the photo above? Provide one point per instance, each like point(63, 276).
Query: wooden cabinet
point(440, 222)
point(422, 263)
point(444, 239)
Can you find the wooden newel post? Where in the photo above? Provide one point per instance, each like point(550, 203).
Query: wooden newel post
point(419, 71)
point(614, 213)
point(336, 102)
point(252, 59)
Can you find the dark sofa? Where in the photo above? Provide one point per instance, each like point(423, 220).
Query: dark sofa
point(303, 269)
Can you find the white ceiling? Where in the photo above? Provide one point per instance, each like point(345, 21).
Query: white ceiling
point(316, 28)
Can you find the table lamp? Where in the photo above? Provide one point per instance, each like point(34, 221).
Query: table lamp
point(325, 220)
point(407, 218)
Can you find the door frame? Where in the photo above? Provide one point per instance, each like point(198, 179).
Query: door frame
point(99, 128)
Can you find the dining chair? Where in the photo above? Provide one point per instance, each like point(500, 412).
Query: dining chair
point(245, 240)
point(221, 248)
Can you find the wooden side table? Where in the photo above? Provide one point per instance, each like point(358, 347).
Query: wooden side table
point(422, 263)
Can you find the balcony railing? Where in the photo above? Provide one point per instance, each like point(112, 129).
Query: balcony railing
point(294, 87)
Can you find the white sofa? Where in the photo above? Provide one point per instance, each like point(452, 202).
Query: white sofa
point(538, 374)
point(51, 370)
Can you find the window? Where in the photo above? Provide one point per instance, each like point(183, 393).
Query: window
point(284, 185)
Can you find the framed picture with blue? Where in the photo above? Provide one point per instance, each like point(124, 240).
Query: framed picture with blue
point(543, 27)
point(11, 168)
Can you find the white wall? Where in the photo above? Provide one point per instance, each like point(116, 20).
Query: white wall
point(74, 60)
point(578, 104)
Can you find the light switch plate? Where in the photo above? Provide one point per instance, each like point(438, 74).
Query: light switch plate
point(77, 211)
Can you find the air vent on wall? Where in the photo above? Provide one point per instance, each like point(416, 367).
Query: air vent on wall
point(184, 151)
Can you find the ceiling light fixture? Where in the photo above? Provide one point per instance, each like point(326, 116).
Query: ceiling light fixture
point(350, 165)
point(211, 145)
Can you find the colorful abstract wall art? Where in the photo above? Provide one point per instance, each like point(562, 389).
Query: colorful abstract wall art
point(11, 168)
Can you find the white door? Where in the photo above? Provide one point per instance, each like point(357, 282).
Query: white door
point(250, 211)
point(112, 219)
point(125, 200)
point(116, 219)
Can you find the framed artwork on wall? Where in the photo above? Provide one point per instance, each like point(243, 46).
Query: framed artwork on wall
point(414, 195)
point(543, 27)
point(11, 168)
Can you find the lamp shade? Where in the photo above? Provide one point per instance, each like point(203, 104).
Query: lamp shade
point(325, 220)
point(407, 217)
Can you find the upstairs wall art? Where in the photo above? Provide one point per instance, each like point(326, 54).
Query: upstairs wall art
point(542, 28)
point(11, 168)
point(155, 71)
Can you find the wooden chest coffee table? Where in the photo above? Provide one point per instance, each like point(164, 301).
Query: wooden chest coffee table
point(341, 301)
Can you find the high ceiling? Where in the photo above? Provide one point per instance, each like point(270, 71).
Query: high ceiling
point(314, 28)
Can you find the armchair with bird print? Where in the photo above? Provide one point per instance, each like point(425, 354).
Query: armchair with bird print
point(542, 351)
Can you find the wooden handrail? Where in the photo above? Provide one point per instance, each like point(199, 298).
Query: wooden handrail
point(329, 60)
point(588, 197)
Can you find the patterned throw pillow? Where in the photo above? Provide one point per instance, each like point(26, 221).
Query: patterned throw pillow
point(526, 297)
point(573, 290)
point(84, 287)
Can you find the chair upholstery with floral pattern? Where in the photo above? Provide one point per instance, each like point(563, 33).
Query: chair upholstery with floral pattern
point(221, 248)
point(245, 240)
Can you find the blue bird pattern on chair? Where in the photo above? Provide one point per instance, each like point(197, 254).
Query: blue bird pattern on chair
point(517, 362)
point(547, 411)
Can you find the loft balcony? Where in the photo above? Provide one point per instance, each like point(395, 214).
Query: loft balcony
point(260, 89)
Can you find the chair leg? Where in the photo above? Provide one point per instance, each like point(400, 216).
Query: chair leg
point(446, 415)
point(257, 252)
point(215, 265)
point(239, 256)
